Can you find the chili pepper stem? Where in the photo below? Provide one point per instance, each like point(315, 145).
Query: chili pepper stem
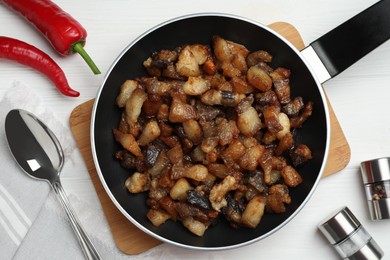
point(78, 47)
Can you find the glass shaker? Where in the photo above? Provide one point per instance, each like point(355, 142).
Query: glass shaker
point(376, 180)
point(348, 237)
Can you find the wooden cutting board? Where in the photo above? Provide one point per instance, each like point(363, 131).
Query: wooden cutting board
point(128, 237)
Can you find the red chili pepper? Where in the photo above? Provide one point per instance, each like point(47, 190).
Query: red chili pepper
point(64, 33)
point(31, 56)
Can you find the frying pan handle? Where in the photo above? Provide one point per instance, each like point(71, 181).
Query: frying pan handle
point(343, 46)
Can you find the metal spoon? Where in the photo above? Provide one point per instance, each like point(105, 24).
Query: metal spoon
point(39, 153)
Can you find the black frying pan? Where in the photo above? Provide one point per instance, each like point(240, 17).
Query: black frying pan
point(355, 38)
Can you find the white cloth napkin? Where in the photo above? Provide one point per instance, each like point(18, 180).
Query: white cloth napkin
point(21, 197)
point(32, 223)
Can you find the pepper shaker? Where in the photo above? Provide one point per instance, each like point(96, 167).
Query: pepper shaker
point(348, 237)
point(376, 180)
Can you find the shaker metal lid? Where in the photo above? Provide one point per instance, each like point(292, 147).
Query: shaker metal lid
point(375, 170)
point(338, 226)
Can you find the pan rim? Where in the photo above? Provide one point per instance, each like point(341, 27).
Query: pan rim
point(182, 245)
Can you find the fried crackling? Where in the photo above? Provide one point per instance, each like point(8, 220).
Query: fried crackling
point(266, 164)
point(268, 138)
point(171, 73)
point(209, 128)
point(162, 161)
point(152, 71)
point(293, 107)
point(219, 97)
point(241, 86)
point(150, 133)
point(133, 109)
point(225, 86)
point(127, 89)
point(123, 125)
point(248, 120)
point(229, 70)
point(218, 192)
point(280, 78)
point(185, 210)
point(197, 155)
point(219, 170)
point(297, 122)
point(193, 131)
point(175, 154)
point(227, 131)
point(180, 112)
point(215, 80)
point(187, 64)
point(234, 151)
point(158, 63)
point(277, 198)
point(157, 216)
point(201, 52)
point(271, 119)
point(197, 172)
point(209, 144)
point(152, 105)
point(179, 190)
point(209, 67)
point(284, 121)
point(239, 63)
point(300, 155)
point(196, 86)
point(165, 180)
point(285, 143)
point(163, 58)
point(250, 160)
point(156, 192)
point(259, 78)
point(221, 49)
point(198, 197)
point(138, 182)
point(163, 112)
point(169, 205)
point(258, 56)
point(253, 212)
point(155, 86)
point(291, 177)
point(128, 142)
point(237, 50)
point(266, 99)
point(196, 227)
point(231, 55)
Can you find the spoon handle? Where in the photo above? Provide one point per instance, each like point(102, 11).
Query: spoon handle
point(85, 243)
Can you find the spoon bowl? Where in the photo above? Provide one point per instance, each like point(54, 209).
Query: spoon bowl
point(39, 153)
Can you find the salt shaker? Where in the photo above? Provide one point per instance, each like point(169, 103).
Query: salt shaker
point(348, 237)
point(376, 180)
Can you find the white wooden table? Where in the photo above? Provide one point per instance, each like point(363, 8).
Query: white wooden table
point(360, 98)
